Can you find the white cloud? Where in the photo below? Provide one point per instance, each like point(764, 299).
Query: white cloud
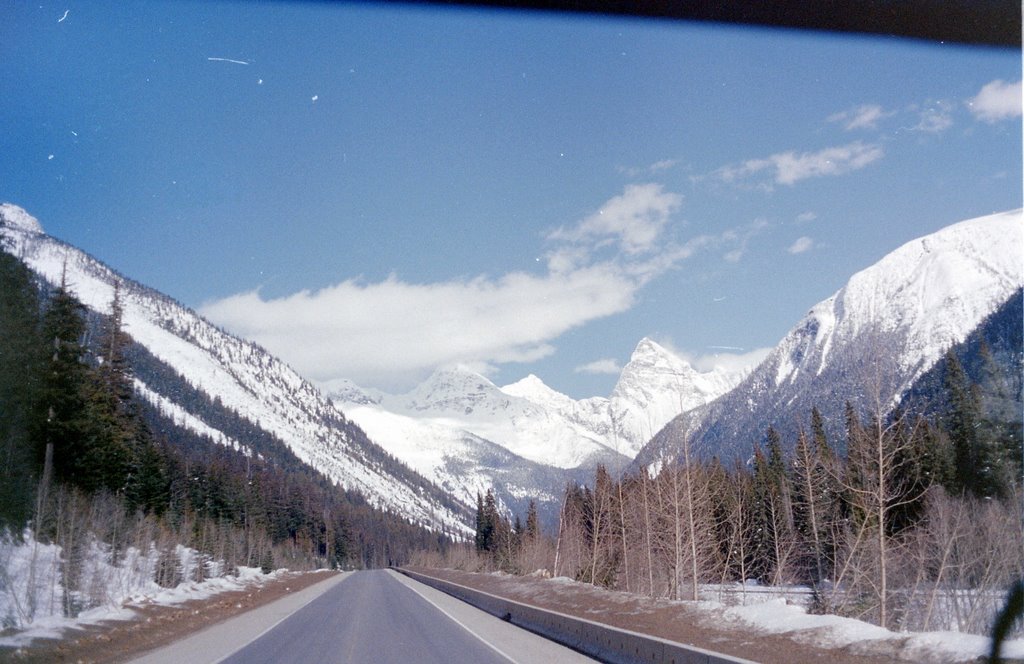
point(656, 167)
point(997, 100)
point(934, 122)
point(791, 167)
point(390, 333)
point(633, 221)
point(936, 119)
point(365, 331)
point(603, 366)
point(742, 237)
point(806, 217)
point(725, 358)
point(801, 245)
point(862, 117)
point(662, 165)
point(735, 362)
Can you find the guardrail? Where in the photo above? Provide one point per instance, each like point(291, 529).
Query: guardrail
point(597, 640)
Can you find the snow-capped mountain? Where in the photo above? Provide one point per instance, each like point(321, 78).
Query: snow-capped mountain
point(657, 385)
point(868, 342)
point(525, 439)
point(467, 401)
point(540, 424)
point(240, 375)
point(654, 386)
point(463, 463)
point(466, 435)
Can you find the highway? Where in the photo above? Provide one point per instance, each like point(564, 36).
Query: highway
point(374, 616)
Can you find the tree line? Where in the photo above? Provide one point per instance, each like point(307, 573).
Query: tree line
point(907, 521)
point(75, 440)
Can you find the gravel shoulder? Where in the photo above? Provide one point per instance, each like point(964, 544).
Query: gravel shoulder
point(157, 626)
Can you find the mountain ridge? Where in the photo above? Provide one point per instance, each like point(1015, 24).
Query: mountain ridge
point(866, 343)
point(244, 377)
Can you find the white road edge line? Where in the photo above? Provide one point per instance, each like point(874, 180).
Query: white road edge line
point(402, 579)
point(344, 575)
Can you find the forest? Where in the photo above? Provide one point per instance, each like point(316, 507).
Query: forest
point(85, 463)
point(912, 520)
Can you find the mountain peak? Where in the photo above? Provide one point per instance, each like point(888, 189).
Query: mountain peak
point(648, 346)
point(346, 391)
point(537, 391)
point(16, 217)
point(655, 386)
point(531, 382)
point(868, 342)
point(453, 388)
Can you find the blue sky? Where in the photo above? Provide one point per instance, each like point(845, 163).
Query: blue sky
point(372, 192)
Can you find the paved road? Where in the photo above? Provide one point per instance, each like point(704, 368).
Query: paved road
point(375, 616)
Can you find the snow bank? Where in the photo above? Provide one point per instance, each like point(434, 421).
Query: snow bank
point(34, 603)
point(777, 616)
point(758, 609)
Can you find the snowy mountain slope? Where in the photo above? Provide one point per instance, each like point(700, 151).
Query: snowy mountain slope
point(654, 386)
point(525, 439)
point(465, 401)
point(465, 464)
point(242, 376)
point(467, 436)
point(869, 341)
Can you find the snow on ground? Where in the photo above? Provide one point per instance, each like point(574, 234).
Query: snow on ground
point(770, 610)
point(775, 616)
point(756, 609)
point(32, 595)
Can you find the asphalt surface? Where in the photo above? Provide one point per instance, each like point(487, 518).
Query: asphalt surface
point(374, 616)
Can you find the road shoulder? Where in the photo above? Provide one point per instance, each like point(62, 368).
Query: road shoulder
point(513, 643)
point(221, 640)
point(674, 621)
point(156, 626)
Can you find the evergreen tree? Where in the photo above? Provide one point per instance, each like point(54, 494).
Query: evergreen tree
point(999, 451)
point(818, 435)
point(813, 509)
point(773, 526)
point(532, 526)
point(482, 527)
point(61, 419)
point(21, 361)
point(962, 424)
point(488, 522)
point(147, 485)
point(116, 430)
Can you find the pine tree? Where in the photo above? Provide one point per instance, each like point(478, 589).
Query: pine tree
point(484, 526)
point(813, 508)
point(21, 362)
point(532, 528)
point(114, 421)
point(998, 436)
point(61, 420)
point(962, 425)
point(774, 514)
point(490, 523)
point(147, 485)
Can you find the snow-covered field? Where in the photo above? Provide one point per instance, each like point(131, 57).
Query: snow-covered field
point(763, 610)
point(32, 597)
